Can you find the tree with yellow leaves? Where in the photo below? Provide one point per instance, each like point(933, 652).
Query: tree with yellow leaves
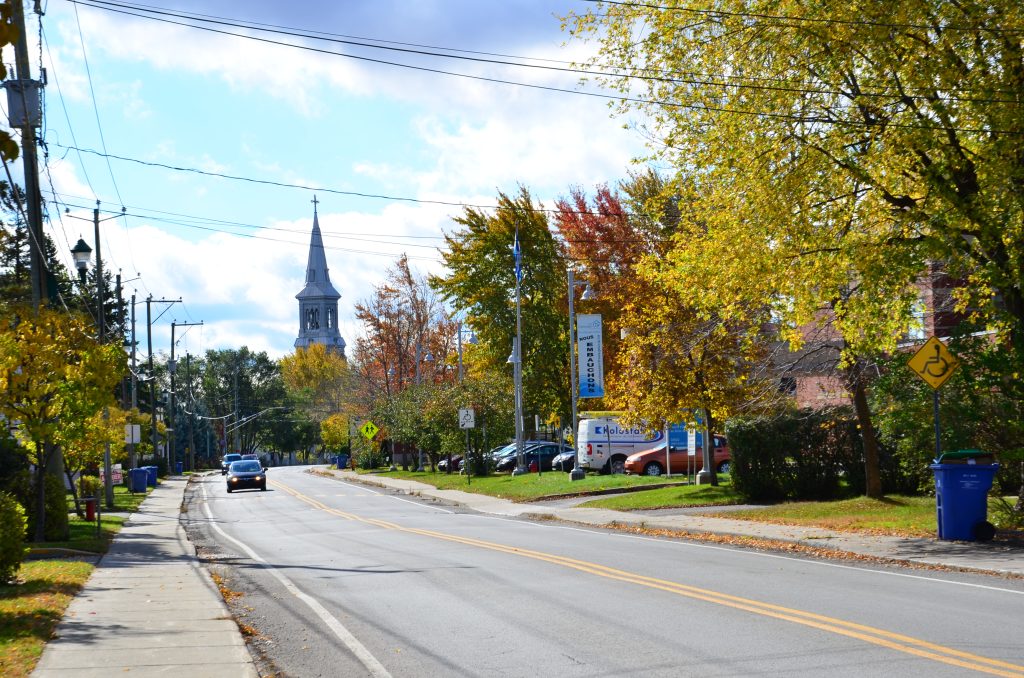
point(832, 152)
point(52, 373)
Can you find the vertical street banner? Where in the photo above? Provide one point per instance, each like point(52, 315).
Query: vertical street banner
point(590, 355)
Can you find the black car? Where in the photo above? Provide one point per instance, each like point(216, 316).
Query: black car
point(246, 473)
point(537, 454)
point(566, 461)
point(227, 461)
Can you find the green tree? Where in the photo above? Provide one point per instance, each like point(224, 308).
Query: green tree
point(481, 282)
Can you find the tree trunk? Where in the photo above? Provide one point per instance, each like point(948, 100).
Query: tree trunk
point(872, 473)
point(74, 493)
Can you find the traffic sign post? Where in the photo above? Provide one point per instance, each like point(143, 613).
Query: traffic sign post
point(935, 364)
point(369, 430)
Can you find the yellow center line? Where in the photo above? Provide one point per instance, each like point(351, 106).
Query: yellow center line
point(881, 637)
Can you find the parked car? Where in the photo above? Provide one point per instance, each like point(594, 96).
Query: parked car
point(501, 451)
point(566, 461)
point(442, 465)
point(651, 462)
point(537, 454)
point(227, 461)
point(246, 473)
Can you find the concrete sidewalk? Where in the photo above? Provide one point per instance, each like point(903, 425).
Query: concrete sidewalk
point(996, 557)
point(148, 609)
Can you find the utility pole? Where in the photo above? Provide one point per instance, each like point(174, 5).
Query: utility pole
point(191, 456)
point(152, 381)
point(24, 111)
point(172, 367)
point(237, 434)
point(108, 480)
point(135, 388)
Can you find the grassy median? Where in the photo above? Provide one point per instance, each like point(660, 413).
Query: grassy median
point(529, 486)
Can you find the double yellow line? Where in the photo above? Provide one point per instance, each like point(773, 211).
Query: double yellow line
point(868, 634)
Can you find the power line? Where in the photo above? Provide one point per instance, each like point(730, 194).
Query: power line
point(819, 119)
point(422, 50)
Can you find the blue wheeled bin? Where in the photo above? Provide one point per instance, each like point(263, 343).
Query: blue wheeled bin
point(138, 478)
point(179, 467)
point(341, 461)
point(151, 475)
point(962, 481)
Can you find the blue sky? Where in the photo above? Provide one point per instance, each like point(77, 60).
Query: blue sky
point(155, 92)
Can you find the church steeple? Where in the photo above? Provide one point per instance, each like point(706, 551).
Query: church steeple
point(318, 300)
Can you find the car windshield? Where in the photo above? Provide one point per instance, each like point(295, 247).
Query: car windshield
point(245, 467)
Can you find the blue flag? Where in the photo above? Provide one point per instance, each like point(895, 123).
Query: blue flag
point(518, 254)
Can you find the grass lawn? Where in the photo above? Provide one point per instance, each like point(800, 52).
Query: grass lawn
point(670, 497)
point(525, 487)
point(895, 515)
point(82, 534)
point(29, 611)
point(124, 501)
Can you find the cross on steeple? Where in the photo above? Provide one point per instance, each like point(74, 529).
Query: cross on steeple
point(315, 202)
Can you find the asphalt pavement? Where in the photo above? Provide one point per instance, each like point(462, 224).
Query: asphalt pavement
point(151, 609)
point(996, 556)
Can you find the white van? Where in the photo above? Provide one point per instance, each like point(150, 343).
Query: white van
point(602, 443)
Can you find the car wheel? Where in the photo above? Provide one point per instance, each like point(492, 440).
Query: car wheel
point(617, 466)
point(263, 488)
point(725, 467)
point(229, 490)
point(653, 468)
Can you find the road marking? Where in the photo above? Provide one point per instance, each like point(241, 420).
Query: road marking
point(344, 635)
point(756, 554)
point(869, 634)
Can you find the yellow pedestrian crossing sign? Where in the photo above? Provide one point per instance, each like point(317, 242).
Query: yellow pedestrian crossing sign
point(369, 429)
point(934, 363)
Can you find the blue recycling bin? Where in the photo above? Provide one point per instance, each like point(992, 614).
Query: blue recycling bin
point(962, 482)
point(138, 478)
point(151, 475)
point(179, 467)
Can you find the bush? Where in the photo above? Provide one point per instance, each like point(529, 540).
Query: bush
point(88, 486)
point(804, 455)
point(55, 527)
point(12, 536)
point(370, 458)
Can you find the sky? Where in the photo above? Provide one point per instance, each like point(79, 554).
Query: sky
point(215, 145)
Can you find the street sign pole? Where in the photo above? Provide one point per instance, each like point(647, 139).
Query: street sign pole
point(935, 364)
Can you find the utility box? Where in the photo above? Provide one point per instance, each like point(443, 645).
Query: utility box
point(23, 108)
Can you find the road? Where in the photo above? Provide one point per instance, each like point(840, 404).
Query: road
point(337, 579)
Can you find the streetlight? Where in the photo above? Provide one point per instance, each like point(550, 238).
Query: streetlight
point(516, 360)
point(428, 358)
point(80, 253)
point(469, 340)
point(391, 373)
point(577, 472)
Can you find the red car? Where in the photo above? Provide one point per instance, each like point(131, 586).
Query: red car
point(651, 462)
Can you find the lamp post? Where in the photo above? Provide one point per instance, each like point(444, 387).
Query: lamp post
point(458, 340)
point(516, 360)
point(428, 358)
point(80, 253)
point(577, 472)
point(387, 382)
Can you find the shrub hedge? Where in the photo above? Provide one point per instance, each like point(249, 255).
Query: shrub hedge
point(799, 455)
point(12, 536)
